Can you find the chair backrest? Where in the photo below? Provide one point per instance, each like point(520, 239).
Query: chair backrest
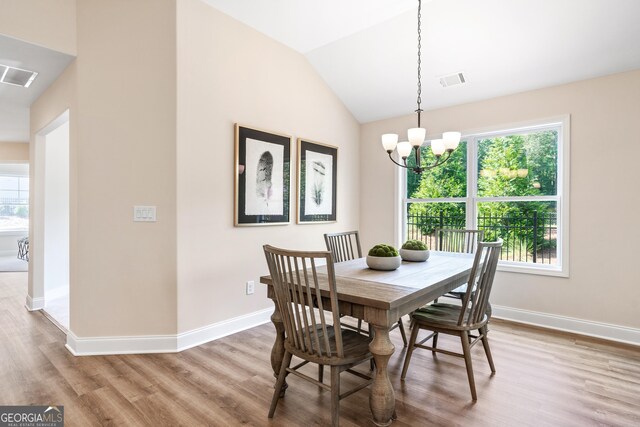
point(476, 298)
point(458, 240)
point(295, 282)
point(343, 246)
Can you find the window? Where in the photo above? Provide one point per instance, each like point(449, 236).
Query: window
point(14, 203)
point(510, 183)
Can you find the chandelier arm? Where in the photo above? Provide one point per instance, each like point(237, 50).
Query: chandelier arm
point(440, 160)
point(394, 161)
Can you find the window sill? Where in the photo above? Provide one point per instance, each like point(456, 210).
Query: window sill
point(528, 268)
point(24, 232)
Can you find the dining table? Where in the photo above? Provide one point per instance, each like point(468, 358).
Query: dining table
point(380, 298)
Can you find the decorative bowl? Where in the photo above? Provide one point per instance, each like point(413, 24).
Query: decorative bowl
point(383, 262)
point(413, 255)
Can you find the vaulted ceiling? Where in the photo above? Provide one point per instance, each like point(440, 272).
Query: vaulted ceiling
point(366, 49)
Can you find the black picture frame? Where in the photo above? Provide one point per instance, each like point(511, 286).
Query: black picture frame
point(317, 182)
point(262, 177)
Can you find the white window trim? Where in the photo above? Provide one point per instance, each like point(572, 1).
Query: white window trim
point(562, 197)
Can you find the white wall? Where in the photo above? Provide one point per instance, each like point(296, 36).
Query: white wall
point(603, 286)
point(56, 211)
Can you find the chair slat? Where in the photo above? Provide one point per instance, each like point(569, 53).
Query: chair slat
point(343, 246)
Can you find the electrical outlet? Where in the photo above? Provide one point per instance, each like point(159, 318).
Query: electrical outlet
point(250, 287)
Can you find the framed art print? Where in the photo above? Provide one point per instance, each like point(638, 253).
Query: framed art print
point(317, 182)
point(262, 177)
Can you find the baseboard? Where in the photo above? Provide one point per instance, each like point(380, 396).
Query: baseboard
point(33, 304)
point(569, 324)
point(81, 346)
point(217, 330)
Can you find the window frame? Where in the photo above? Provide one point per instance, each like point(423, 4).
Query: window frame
point(17, 231)
point(562, 125)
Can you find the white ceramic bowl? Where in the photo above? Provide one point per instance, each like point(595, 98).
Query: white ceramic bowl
point(383, 262)
point(413, 255)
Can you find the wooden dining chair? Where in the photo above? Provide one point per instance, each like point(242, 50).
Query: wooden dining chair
point(460, 320)
point(345, 246)
point(461, 241)
point(312, 334)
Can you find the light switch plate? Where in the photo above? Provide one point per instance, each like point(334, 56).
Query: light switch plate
point(144, 214)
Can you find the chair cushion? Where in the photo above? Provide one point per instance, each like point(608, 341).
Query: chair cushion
point(355, 345)
point(442, 315)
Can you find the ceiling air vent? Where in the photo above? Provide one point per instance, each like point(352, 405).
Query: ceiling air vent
point(452, 80)
point(16, 76)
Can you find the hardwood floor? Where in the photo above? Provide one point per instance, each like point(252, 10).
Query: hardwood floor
point(543, 379)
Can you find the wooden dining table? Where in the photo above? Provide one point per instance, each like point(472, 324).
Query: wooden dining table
point(380, 298)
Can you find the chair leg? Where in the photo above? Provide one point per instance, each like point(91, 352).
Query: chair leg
point(335, 396)
point(414, 335)
point(466, 349)
point(402, 332)
point(320, 372)
point(286, 361)
point(435, 342)
point(487, 349)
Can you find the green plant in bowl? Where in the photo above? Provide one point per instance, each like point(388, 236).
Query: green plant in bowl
point(383, 257)
point(414, 250)
point(415, 245)
point(382, 250)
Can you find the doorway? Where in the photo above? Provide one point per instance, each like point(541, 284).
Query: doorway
point(51, 228)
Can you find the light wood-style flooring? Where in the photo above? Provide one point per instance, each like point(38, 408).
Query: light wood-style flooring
point(543, 379)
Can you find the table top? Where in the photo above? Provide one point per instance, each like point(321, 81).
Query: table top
point(356, 283)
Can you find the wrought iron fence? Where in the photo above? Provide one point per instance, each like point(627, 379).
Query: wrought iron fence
point(527, 238)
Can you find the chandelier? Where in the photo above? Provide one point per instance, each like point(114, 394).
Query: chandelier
point(441, 148)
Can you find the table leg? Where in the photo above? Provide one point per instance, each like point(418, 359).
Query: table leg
point(277, 352)
point(382, 399)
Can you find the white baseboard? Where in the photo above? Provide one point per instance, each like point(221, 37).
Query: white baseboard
point(569, 324)
point(81, 346)
point(94, 346)
point(33, 304)
point(214, 331)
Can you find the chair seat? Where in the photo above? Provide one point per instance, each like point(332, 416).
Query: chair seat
point(458, 292)
point(355, 345)
point(443, 315)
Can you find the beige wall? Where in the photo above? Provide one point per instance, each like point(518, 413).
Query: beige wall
point(605, 148)
point(230, 73)
point(121, 92)
point(125, 280)
point(47, 23)
point(14, 152)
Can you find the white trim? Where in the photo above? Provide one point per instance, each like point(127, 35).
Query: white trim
point(569, 324)
point(217, 330)
point(33, 304)
point(471, 199)
point(91, 346)
point(120, 345)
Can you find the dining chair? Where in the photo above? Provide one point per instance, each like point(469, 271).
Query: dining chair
point(345, 246)
point(460, 320)
point(461, 241)
point(311, 334)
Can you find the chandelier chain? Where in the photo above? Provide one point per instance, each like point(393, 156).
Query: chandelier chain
point(419, 100)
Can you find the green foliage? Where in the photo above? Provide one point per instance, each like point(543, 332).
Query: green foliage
point(512, 165)
point(414, 245)
point(383, 251)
